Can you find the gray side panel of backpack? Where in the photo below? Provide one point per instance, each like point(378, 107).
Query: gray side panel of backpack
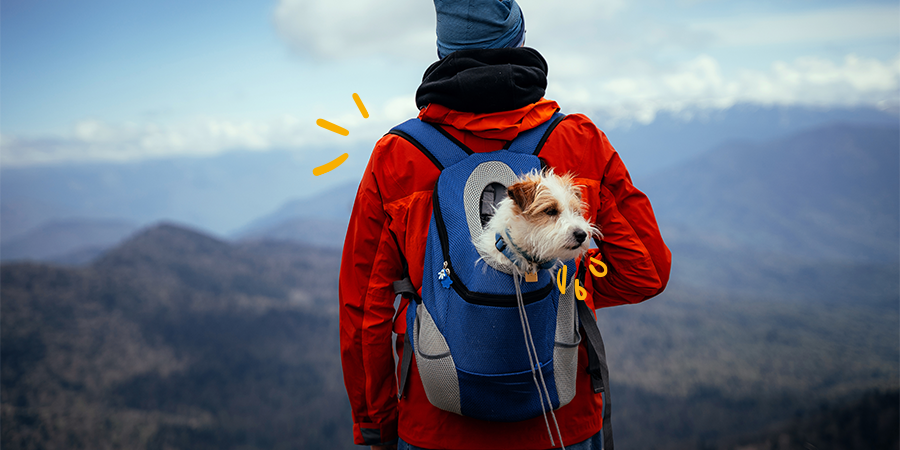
point(565, 349)
point(435, 363)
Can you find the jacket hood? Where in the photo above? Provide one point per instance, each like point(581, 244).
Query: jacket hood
point(485, 80)
point(502, 125)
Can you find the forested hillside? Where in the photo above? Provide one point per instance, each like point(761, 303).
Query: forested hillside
point(783, 298)
point(174, 340)
point(178, 340)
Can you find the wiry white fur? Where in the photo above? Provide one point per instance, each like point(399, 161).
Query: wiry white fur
point(553, 239)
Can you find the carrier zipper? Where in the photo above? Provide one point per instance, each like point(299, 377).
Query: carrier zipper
point(478, 298)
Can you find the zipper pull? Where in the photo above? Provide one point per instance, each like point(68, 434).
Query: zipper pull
point(444, 276)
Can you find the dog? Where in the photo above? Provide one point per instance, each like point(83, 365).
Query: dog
point(539, 223)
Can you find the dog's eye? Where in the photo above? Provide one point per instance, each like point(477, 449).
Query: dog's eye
point(551, 211)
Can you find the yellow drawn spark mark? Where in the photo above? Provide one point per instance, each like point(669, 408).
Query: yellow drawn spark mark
point(359, 104)
point(325, 168)
point(332, 127)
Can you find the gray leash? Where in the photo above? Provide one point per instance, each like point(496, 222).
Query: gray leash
point(529, 345)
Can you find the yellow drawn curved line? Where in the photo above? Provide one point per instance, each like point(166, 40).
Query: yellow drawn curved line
point(328, 167)
point(595, 272)
point(561, 283)
point(361, 106)
point(580, 292)
point(332, 127)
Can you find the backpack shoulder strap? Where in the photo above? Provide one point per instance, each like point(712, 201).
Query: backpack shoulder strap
point(406, 289)
point(597, 365)
point(440, 147)
point(532, 141)
point(597, 368)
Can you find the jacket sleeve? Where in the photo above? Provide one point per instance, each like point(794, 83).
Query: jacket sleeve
point(369, 264)
point(632, 247)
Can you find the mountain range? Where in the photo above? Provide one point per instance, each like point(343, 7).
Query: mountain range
point(68, 241)
point(176, 339)
point(827, 193)
point(814, 214)
point(220, 193)
point(780, 319)
point(242, 194)
point(319, 220)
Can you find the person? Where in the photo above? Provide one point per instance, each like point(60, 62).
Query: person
point(484, 90)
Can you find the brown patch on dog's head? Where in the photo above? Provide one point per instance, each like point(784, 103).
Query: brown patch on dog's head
point(534, 200)
point(544, 209)
point(523, 193)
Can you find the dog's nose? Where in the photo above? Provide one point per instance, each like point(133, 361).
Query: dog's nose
point(579, 236)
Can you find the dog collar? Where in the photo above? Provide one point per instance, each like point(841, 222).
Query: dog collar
point(508, 252)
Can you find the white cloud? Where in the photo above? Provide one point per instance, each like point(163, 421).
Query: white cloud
point(624, 60)
point(94, 140)
point(636, 58)
point(825, 25)
point(701, 84)
point(813, 81)
point(352, 28)
point(406, 28)
point(547, 18)
point(400, 108)
point(636, 96)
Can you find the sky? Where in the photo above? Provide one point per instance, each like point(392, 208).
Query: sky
point(103, 80)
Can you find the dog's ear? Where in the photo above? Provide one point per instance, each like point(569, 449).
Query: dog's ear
point(523, 193)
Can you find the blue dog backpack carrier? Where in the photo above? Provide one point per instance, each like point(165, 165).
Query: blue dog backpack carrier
point(480, 348)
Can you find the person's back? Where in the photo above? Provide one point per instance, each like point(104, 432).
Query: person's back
point(484, 91)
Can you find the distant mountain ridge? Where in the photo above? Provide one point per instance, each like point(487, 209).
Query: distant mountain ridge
point(829, 192)
point(227, 192)
point(319, 220)
point(220, 193)
point(826, 193)
point(177, 255)
point(673, 138)
point(64, 240)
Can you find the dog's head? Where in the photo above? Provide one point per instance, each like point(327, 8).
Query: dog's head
point(544, 215)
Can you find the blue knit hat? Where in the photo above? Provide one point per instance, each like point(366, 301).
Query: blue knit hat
point(465, 24)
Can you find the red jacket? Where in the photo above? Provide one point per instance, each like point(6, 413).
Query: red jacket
point(389, 224)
